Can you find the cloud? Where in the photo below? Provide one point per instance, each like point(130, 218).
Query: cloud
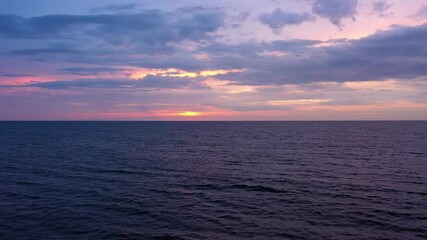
point(236, 21)
point(116, 8)
point(86, 83)
point(399, 53)
point(278, 19)
point(152, 81)
point(255, 48)
point(381, 8)
point(422, 12)
point(89, 70)
point(149, 29)
point(148, 82)
point(335, 10)
point(11, 75)
point(38, 51)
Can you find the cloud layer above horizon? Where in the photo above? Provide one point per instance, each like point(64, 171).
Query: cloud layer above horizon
point(161, 60)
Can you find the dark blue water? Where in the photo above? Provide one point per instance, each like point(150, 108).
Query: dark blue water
point(213, 180)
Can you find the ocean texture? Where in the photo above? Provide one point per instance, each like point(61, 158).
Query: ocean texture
point(213, 180)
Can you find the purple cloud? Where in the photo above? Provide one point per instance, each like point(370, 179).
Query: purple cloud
point(279, 19)
point(422, 12)
point(335, 10)
point(381, 8)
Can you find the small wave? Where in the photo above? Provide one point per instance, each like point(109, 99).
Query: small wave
point(250, 188)
point(168, 237)
point(207, 187)
point(117, 171)
point(256, 188)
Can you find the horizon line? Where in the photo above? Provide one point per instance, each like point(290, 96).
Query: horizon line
point(385, 120)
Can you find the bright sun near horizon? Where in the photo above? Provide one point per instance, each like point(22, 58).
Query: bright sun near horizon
point(189, 114)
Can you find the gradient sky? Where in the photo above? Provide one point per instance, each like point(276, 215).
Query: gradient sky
point(213, 60)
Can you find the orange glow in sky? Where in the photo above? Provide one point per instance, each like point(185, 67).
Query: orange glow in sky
point(210, 73)
point(173, 72)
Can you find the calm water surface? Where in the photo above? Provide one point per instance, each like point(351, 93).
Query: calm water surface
point(213, 180)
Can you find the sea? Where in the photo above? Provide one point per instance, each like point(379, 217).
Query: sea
point(213, 180)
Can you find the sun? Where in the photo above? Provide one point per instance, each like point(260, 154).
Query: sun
point(189, 114)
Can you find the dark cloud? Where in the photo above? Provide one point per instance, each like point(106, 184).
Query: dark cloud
point(335, 10)
point(148, 82)
point(150, 28)
point(255, 48)
point(86, 83)
point(54, 26)
point(152, 81)
point(12, 75)
point(236, 21)
point(278, 19)
point(400, 53)
point(37, 51)
point(116, 8)
point(89, 70)
point(381, 8)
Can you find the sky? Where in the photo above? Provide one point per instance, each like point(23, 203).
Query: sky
point(213, 60)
